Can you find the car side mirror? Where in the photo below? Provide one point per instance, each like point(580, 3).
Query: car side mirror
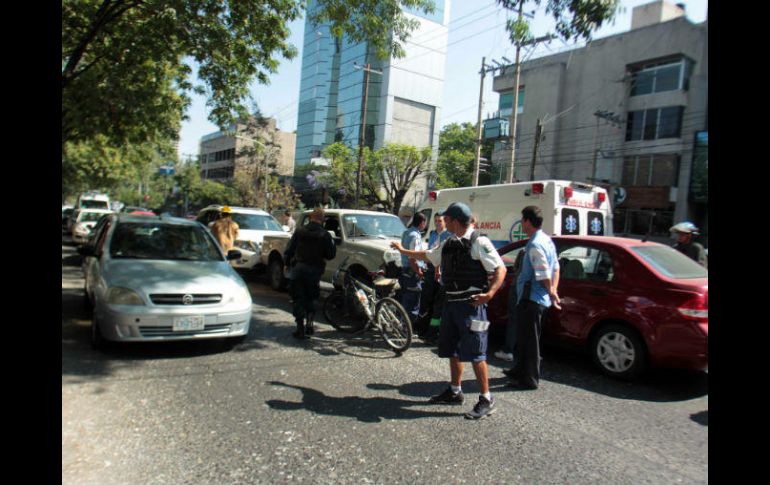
point(233, 254)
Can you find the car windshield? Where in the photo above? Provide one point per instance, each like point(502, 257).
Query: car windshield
point(380, 226)
point(90, 216)
point(94, 204)
point(156, 240)
point(256, 222)
point(671, 262)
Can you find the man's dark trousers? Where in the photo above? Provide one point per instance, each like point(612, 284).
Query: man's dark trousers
point(305, 288)
point(529, 325)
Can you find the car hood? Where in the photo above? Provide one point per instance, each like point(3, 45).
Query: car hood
point(257, 236)
point(163, 276)
point(372, 243)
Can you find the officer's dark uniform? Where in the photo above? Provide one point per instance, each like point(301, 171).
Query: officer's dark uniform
point(463, 277)
point(309, 246)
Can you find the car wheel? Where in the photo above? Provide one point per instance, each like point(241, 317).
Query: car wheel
point(618, 351)
point(277, 280)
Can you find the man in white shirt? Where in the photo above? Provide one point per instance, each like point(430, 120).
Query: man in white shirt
point(465, 259)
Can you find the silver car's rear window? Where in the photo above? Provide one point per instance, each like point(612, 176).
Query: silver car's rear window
point(156, 240)
point(671, 262)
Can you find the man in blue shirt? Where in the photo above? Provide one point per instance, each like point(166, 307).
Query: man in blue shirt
point(431, 291)
point(412, 271)
point(536, 291)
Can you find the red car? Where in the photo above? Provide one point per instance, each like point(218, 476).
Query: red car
point(633, 304)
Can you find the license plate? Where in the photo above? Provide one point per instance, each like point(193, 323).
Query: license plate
point(185, 324)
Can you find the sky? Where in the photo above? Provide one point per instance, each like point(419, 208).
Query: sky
point(476, 30)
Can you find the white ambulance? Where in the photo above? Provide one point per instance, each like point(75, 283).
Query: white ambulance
point(569, 208)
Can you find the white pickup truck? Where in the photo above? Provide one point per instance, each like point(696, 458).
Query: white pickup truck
point(361, 236)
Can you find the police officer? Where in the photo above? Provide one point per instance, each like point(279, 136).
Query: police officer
point(535, 291)
point(308, 247)
point(685, 231)
point(465, 260)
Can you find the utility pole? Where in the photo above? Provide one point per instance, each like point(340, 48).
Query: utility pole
point(538, 132)
point(515, 100)
point(367, 69)
point(483, 73)
point(616, 121)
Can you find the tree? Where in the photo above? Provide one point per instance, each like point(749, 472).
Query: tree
point(457, 153)
point(574, 18)
point(388, 175)
point(124, 62)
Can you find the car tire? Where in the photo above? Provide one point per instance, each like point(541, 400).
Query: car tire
point(277, 280)
point(619, 351)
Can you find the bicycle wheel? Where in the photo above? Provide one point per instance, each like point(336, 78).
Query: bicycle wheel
point(394, 323)
point(340, 314)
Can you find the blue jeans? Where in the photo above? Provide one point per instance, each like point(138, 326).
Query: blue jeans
point(411, 289)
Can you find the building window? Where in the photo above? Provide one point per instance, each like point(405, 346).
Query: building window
point(652, 124)
point(658, 77)
point(651, 170)
point(505, 102)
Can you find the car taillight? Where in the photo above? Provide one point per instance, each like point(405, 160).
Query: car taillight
point(433, 195)
point(601, 196)
point(537, 188)
point(696, 309)
point(567, 192)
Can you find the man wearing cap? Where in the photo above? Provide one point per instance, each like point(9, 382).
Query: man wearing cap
point(685, 231)
point(412, 271)
point(225, 229)
point(465, 260)
point(308, 247)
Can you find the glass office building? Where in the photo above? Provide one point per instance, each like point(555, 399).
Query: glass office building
point(404, 102)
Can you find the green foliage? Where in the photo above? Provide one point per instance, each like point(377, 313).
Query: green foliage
point(574, 18)
point(457, 153)
point(387, 175)
point(124, 62)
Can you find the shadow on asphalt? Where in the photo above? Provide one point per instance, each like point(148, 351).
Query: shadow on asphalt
point(367, 410)
point(701, 418)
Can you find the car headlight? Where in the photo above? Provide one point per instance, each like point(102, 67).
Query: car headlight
point(123, 296)
point(241, 297)
point(392, 256)
point(247, 246)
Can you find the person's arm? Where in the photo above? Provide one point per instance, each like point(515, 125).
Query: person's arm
point(549, 282)
point(494, 285)
point(421, 255)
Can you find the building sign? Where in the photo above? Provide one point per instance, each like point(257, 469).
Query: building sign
point(699, 177)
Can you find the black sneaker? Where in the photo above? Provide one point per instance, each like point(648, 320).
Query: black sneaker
point(309, 328)
point(447, 397)
point(482, 409)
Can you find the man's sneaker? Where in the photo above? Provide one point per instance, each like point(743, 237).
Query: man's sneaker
point(482, 408)
point(448, 397)
point(503, 355)
point(309, 328)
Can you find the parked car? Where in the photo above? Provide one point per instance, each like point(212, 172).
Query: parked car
point(162, 279)
point(632, 304)
point(362, 237)
point(83, 221)
point(253, 226)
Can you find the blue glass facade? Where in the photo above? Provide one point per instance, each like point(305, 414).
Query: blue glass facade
point(332, 90)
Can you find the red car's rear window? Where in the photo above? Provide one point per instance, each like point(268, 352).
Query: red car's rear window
point(670, 262)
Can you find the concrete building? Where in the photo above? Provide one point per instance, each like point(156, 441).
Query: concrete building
point(624, 111)
point(218, 151)
point(403, 104)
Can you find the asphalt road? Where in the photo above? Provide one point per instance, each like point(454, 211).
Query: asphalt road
point(345, 410)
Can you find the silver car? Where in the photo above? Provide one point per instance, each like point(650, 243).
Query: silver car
point(160, 279)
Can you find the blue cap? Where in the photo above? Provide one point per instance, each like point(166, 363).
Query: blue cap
point(459, 212)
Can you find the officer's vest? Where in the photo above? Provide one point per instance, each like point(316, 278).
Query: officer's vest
point(459, 271)
point(310, 245)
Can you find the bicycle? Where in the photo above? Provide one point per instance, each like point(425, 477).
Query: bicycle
point(357, 307)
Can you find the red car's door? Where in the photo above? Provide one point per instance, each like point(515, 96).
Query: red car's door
point(585, 288)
